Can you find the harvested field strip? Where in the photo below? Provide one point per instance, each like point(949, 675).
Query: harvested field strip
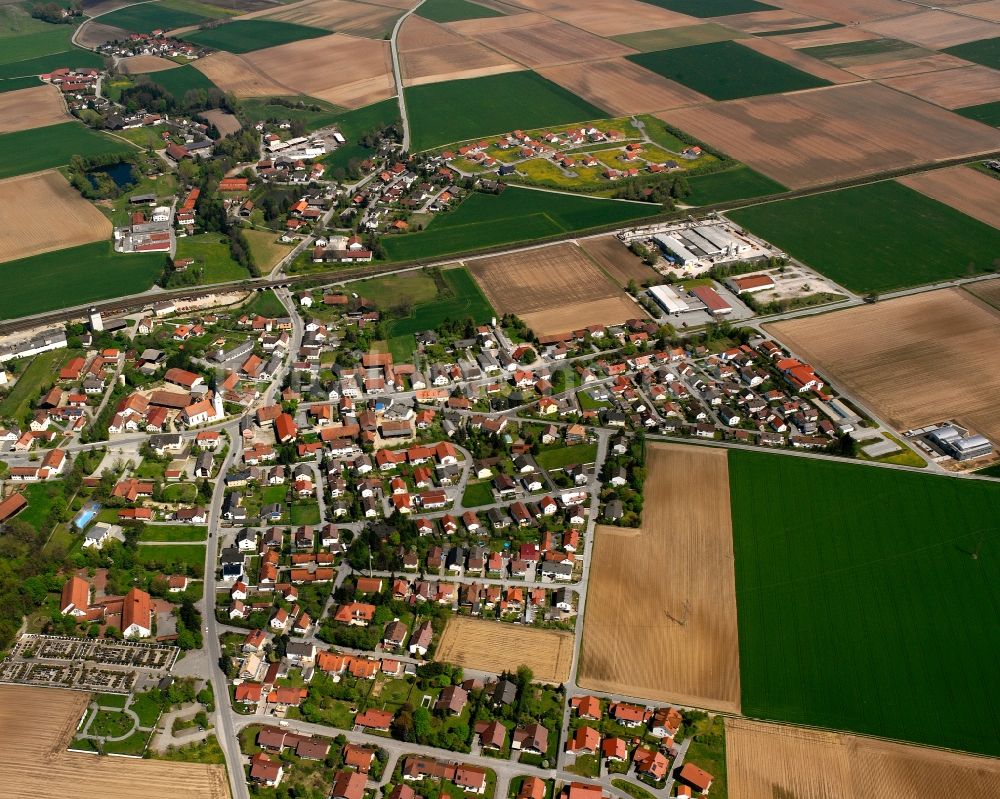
point(244, 36)
point(834, 601)
point(875, 68)
point(661, 607)
point(141, 64)
point(35, 107)
point(935, 28)
point(771, 760)
point(821, 37)
point(726, 70)
point(685, 36)
point(38, 765)
point(31, 201)
point(866, 47)
point(468, 60)
point(986, 52)
point(608, 18)
point(914, 360)
point(618, 261)
point(343, 16)
point(606, 312)
point(550, 43)
point(496, 647)
point(953, 88)
point(848, 12)
point(866, 247)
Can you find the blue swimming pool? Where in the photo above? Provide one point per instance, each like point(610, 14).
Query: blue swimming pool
point(86, 515)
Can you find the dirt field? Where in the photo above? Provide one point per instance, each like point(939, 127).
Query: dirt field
point(476, 27)
point(814, 137)
point(224, 122)
point(36, 764)
point(913, 360)
point(94, 34)
point(971, 192)
point(550, 43)
point(794, 58)
point(468, 60)
point(343, 16)
point(30, 202)
point(679, 564)
point(825, 37)
point(988, 291)
point(764, 21)
point(847, 11)
point(267, 251)
point(496, 647)
point(553, 289)
point(936, 29)
point(617, 260)
point(989, 10)
point(953, 88)
point(622, 87)
point(31, 108)
point(233, 73)
point(609, 17)
point(765, 761)
point(141, 64)
point(418, 33)
point(885, 65)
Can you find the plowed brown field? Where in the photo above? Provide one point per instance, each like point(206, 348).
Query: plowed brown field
point(140, 64)
point(989, 10)
point(36, 724)
point(418, 33)
point(847, 11)
point(94, 34)
point(764, 21)
point(550, 43)
point(969, 191)
point(621, 87)
point(454, 62)
point(233, 73)
point(496, 647)
point(618, 260)
point(914, 360)
point(953, 88)
point(886, 65)
point(36, 107)
point(343, 16)
point(766, 761)
point(801, 61)
point(808, 138)
point(661, 605)
point(31, 202)
point(825, 37)
point(936, 29)
point(609, 17)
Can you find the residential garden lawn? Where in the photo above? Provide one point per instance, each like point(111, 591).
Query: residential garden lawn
point(355, 124)
point(477, 494)
point(181, 80)
point(305, 514)
point(111, 700)
point(984, 51)
point(737, 183)
point(877, 237)
point(711, 8)
point(38, 373)
point(207, 751)
point(586, 766)
point(146, 709)
point(180, 492)
point(455, 110)
point(134, 745)
point(41, 148)
point(74, 276)
point(147, 17)
point(988, 113)
point(110, 724)
point(38, 64)
point(402, 347)
point(246, 35)
point(516, 215)
point(276, 493)
point(588, 403)
point(210, 252)
point(264, 110)
point(172, 554)
point(708, 750)
point(560, 456)
point(83, 745)
point(265, 303)
point(151, 470)
point(174, 532)
point(459, 298)
point(634, 790)
point(454, 10)
point(726, 70)
point(852, 611)
point(265, 248)
point(40, 497)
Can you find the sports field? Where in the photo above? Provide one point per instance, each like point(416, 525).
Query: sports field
point(454, 10)
point(147, 17)
point(181, 80)
point(247, 35)
point(74, 276)
point(877, 237)
point(42, 148)
point(456, 110)
point(486, 220)
point(858, 589)
point(458, 299)
point(497, 646)
point(726, 70)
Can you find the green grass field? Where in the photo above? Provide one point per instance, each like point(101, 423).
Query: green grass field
point(877, 237)
point(246, 35)
point(517, 215)
point(462, 299)
point(180, 80)
point(561, 457)
point(13, 84)
point(387, 292)
point(210, 252)
point(858, 599)
point(172, 555)
point(37, 42)
point(726, 70)
point(178, 533)
point(42, 148)
point(39, 373)
point(74, 276)
point(987, 113)
point(829, 52)
point(477, 494)
point(261, 109)
point(984, 51)
point(265, 303)
point(711, 8)
point(147, 17)
point(36, 65)
point(456, 110)
point(402, 348)
point(454, 10)
point(737, 183)
point(355, 124)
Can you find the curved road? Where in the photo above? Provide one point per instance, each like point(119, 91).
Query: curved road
point(397, 74)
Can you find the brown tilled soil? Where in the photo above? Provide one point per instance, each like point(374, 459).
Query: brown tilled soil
point(765, 21)
point(30, 204)
point(936, 29)
point(769, 761)
point(140, 64)
point(611, 311)
point(847, 11)
point(953, 88)
point(418, 33)
point(801, 61)
point(661, 605)
point(969, 191)
point(618, 260)
point(454, 62)
point(886, 65)
point(621, 87)
point(343, 16)
point(914, 361)
point(94, 34)
point(477, 27)
point(550, 43)
point(609, 17)
point(989, 10)
point(815, 137)
point(36, 724)
point(233, 73)
point(35, 107)
point(825, 37)
point(496, 647)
